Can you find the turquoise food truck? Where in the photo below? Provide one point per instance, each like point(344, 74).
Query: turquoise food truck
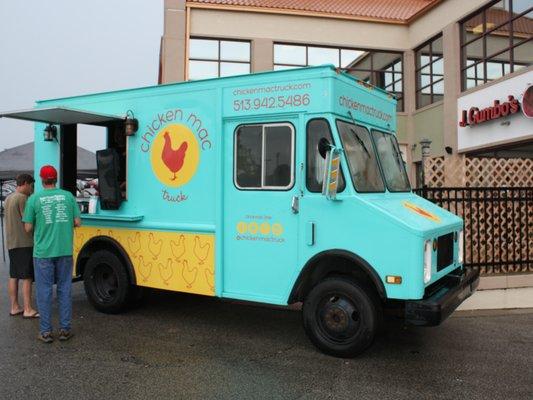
point(277, 187)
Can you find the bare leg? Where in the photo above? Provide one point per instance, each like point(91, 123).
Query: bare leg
point(26, 295)
point(12, 288)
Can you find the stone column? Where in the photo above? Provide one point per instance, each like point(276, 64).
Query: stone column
point(173, 56)
point(262, 55)
point(453, 163)
point(409, 108)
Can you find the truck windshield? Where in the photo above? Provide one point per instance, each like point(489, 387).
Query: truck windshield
point(361, 157)
point(391, 161)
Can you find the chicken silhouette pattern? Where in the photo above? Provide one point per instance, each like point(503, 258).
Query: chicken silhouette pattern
point(173, 159)
point(145, 268)
point(189, 273)
point(201, 251)
point(178, 261)
point(166, 271)
point(178, 249)
point(134, 244)
point(154, 246)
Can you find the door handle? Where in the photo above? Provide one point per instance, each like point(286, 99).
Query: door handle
point(295, 204)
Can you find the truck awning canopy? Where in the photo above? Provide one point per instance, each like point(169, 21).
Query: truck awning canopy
point(62, 116)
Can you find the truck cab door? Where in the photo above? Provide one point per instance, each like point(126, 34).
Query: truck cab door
point(260, 210)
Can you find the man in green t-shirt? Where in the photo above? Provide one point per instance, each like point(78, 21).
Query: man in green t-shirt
point(52, 214)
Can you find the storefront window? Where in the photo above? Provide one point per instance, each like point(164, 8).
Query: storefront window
point(212, 58)
point(429, 72)
point(380, 68)
point(496, 41)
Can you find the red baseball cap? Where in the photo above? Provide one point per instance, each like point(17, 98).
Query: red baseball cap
point(48, 172)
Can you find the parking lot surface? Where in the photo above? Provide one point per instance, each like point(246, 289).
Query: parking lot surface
point(191, 347)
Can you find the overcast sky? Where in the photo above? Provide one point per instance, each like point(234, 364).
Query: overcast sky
point(57, 48)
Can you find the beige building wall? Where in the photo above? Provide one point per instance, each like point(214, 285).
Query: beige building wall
point(425, 126)
point(401, 130)
point(262, 55)
point(173, 43)
point(438, 121)
point(409, 108)
point(298, 29)
point(436, 19)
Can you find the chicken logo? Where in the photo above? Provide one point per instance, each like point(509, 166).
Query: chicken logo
point(173, 159)
point(175, 155)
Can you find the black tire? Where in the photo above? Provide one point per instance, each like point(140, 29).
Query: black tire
point(341, 317)
point(107, 284)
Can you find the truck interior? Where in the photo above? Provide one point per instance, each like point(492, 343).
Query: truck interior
point(62, 127)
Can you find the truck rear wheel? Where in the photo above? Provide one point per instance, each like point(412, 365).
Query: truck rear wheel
point(107, 284)
point(340, 317)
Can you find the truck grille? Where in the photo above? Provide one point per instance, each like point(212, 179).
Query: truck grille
point(444, 251)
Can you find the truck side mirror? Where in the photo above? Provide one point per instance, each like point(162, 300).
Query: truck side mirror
point(330, 183)
point(323, 147)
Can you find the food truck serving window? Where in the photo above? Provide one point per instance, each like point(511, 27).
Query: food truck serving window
point(109, 181)
point(391, 161)
point(264, 156)
point(317, 129)
point(361, 157)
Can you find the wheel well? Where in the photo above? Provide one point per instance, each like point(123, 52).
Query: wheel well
point(104, 243)
point(336, 263)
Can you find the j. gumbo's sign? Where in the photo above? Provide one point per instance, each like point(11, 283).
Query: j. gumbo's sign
point(476, 115)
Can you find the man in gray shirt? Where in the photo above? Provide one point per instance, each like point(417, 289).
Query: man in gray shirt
point(20, 247)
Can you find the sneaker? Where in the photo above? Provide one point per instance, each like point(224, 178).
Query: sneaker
point(65, 335)
point(45, 337)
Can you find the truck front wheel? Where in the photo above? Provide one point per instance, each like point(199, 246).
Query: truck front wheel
point(106, 282)
point(340, 317)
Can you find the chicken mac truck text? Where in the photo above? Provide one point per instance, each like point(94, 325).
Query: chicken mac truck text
point(277, 187)
point(162, 119)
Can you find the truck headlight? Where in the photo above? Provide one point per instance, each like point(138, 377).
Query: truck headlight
point(461, 247)
point(428, 253)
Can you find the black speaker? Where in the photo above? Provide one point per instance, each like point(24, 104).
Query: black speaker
point(107, 162)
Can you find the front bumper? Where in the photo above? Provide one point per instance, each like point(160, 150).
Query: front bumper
point(443, 299)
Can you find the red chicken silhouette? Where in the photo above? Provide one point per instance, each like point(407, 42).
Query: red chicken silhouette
point(173, 159)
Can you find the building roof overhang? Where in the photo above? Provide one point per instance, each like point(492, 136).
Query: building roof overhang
point(400, 12)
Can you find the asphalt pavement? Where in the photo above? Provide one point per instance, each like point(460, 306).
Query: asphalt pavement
point(178, 346)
